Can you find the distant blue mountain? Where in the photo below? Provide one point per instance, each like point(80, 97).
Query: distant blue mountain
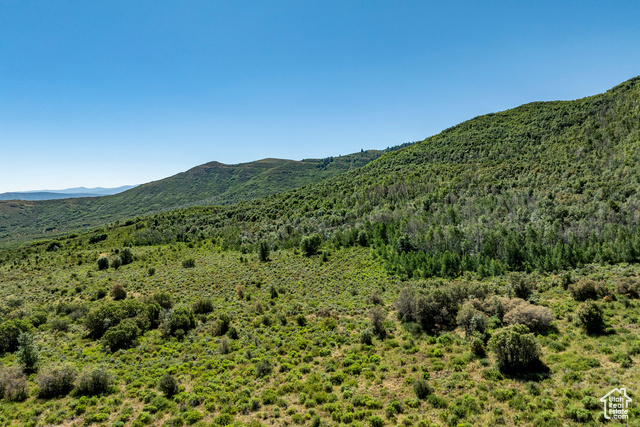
point(64, 194)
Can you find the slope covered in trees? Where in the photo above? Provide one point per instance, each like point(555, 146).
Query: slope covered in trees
point(311, 307)
point(543, 186)
point(208, 184)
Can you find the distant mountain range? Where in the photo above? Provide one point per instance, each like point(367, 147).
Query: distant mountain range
point(64, 194)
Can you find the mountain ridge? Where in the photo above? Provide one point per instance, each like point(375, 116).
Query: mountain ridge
point(212, 183)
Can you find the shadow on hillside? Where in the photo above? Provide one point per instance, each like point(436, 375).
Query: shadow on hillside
point(537, 371)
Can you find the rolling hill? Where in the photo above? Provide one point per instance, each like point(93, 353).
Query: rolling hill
point(208, 184)
point(488, 275)
point(547, 185)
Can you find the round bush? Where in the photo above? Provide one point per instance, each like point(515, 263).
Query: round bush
point(103, 263)
point(589, 316)
point(422, 389)
point(168, 385)
point(93, 381)
point(515, 348)
point(118, 292)
point(121, 336)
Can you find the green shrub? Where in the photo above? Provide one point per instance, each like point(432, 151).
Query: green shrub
point(13, 384)
point(93, 381)
point(118, 292)
point(189, 263)
point(263, 251)
point(377, 317)
point(263, 368)
point(585, 289)
point(366, 337)
point(55, 381)
point(589, 316)
point(471, 320)
point(376, 421)
point(179, 321)
point(126, 256)
point(103, 263)
point(101, 318)
point(97, 238)
point(59, 324)
point(628, 286)
point(10, 330)
point(311, 244)
point(116, 262)
point(520, 285)
point(28, 354)
point(168, 385)
point(203, 306)
point(122, 336)
point(163, 299)
point(422, 389)
point(515, 348)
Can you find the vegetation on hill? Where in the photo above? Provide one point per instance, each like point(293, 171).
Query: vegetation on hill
point(487, 275)
point(209, 184)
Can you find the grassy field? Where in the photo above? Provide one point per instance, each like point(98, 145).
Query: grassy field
point(295, 351)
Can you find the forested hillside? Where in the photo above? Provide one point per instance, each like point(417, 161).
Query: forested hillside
point(318, 306)
point(208, 184)
point(543, 186)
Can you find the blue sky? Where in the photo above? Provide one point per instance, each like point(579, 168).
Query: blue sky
point(121, 92)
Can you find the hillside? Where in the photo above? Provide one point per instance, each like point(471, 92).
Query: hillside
point(209, 184)
point(544, 186)
point(487, 275)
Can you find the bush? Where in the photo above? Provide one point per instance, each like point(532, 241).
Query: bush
point(118, 292)
point(116, 262)
point(311, 244)
point(471, 320)
point(100, 319)
point(520, 285)
point(189, 263)
point(10, 330)
point(168, 385)
point(377, 316)
point(126, 256)
point(203, 306)
point(163, 299)
point(264, 251)
point(93, 381)
point(628, 286)
point(13, 384)
point(422, 389)
point(535, 317)
point(585, 289)
point(59, 324)
point(515, 348)
point(366, 337)
point(589, 316)
point(97, 238)
point(55, 381)
point(179, 322)
point(122, 336)
point(263, 368)
point(103, 263)
point(28, 354)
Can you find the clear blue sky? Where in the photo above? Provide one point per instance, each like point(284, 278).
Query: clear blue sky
point(121, 92)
